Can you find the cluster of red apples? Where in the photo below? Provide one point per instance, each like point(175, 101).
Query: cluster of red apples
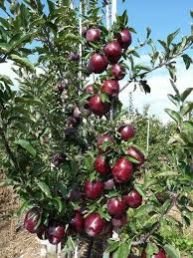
point(118, 174)
point(99, 62)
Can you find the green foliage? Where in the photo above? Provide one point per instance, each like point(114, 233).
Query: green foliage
point(36, 125)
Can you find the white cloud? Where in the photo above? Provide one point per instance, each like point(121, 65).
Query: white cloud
point(160, 88)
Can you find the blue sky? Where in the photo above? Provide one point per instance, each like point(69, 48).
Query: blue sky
point(162, 16)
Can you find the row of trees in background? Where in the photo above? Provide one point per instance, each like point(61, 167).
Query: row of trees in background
point(67, 146)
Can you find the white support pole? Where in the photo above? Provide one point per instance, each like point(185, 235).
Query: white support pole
point(72, 5)
point(108, 16)
point(114, 10)
point(148, 131)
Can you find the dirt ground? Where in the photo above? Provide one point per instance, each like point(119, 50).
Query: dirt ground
point(14, 243)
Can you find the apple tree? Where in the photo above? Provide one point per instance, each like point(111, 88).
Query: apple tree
point(68, 147)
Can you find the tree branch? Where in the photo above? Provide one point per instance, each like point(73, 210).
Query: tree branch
point(143, 239)
point(160, 65)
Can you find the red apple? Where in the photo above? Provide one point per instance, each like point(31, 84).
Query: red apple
point(93, 35)
point(127, 132)
point(93, 190)
point(118, 71)
point(77, 222)
point(94, 225)
point(55, 233)
point(113, 51)
point(160, 254)
point(122, 170)
point(116, 207)
point(98, 107)
point(109, 184)
point(136, 154)
point(101, 165)
point(110, 87)
point(102, 139)
point(133, 199)
point(125, 38)
point(32, 220)
point(119, 222)
point(89, 89)
point(97, 63)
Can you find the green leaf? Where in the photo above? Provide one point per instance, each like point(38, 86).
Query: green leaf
point(27, 146)
point(123, 251)
point(58, 203)
point(151, 249)
point(139, 188)
point(191, 13)
point(23, 62)
point(167, 173)
point(23, 208)
point(172, 252)
point(45, 188)
point(51, 6)
point(164, 44)
point(4, 47)
point(174, 115)
point(187, 108)
point(171, 37)
point(186, 93)
point(148, 32)
point(6, 79)
point(143, 209)
point(175, 89)
point(187, 60)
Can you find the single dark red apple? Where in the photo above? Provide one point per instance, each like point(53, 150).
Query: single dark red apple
point(74, 195)
point(98, 107)
point(74, 121)
point(77, 222)
point(61, 86)
point(162, 197)
point(118, 71)
point(89, 89)
point(58, 159)
point(160, 254)
point(97, 63)
point(42, 232)
point(122, 170)
point(113, 51)
point(93, 35)
point(110, 87)
point(136, 154)
point(127, 132)
point(93, 190)
point(133, 199)
point(73, 56)
point(109, 184)
point(119, 222)
point(94, 224)
point(101, 165)
point(116, 207)
point(55, 233)
point(32, 219)
point(124, 38)
point(102, 139)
